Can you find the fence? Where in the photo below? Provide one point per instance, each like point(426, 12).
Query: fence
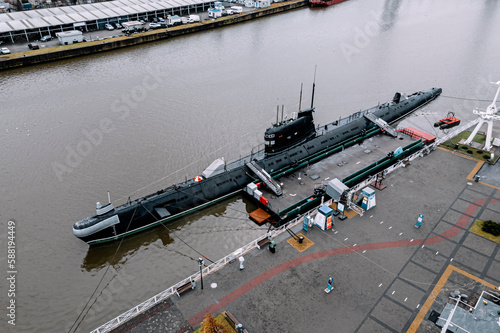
point(135, 311)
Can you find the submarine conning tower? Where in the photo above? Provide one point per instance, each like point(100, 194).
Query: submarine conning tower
point(289, 132)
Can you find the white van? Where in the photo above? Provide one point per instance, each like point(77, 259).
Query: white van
point(193, 18)
point(237, 9)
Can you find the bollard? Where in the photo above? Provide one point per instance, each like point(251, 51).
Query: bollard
point(272, 246)
point(242, 260)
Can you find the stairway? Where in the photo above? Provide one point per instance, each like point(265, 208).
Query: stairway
point(384, 126)
point(265, 177)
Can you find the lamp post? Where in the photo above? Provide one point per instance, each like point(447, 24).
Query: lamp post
point(200, 262)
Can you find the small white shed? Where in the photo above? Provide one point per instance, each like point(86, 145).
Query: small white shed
point(214, 12)
point(70, 37)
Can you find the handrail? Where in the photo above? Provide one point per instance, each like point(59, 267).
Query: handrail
point(149, 303)
point(425, 150)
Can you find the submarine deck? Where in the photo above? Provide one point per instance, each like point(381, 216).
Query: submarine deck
point(301, 184)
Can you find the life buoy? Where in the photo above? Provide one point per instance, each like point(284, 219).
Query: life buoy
point(198, 179)
point(382, 129)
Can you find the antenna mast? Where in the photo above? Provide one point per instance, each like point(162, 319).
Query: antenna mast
point(300, 100)
point(277, 111)
point(282, 109)
point(314, 86)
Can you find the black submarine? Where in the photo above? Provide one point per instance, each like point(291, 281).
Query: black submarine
point(286, 142)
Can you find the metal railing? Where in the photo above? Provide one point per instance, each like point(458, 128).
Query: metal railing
point(403, 163)
point(138, 309)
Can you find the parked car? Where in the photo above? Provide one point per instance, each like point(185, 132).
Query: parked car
point(154, 25)
point(193, 18)
point(4, 50)
point(108, 26)
point(118, 25)
point(33, 46)
point(46, 38)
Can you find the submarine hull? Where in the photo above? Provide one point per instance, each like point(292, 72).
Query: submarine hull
point(184, 198)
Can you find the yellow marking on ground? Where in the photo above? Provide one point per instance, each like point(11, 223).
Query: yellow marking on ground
point(306, 243)
point(350, 214)
point(458, 154)
point(437, 289)
point(475, 278)
point(427, 305)
point(474, 171)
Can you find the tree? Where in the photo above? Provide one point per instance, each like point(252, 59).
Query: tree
point(210, 325)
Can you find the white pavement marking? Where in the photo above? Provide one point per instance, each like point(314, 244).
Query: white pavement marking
point(418, 305)
point(390, 228)
point(371, 216)
point(381, 222)
point(355, 244)
point(358, 162)
point(423, 246)
point(346, 239)
point(364, 251)
point(380, 285)
point(406, 299)
point(393, 292)
point(451, 259)
point(437, 252)
point(336, 231)
point(411, 240)
point(400, 233)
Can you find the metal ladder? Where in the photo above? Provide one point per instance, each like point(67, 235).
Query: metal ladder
point(265, 177)
point(382, 124)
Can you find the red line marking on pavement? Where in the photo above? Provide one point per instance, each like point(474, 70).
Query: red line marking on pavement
point(235, 294)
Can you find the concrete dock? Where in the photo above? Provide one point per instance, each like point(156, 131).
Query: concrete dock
point(388, 275)
point(339, 165)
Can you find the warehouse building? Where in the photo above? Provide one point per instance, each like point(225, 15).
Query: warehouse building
point(33, 24)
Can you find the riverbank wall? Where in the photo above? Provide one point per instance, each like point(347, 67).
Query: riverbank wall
point(75, 50)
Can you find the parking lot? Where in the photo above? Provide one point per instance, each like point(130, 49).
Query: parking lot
point(104, 33)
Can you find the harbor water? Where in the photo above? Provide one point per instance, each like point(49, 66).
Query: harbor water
point(140, 119)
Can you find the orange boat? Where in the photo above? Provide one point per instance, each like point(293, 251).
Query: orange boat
point(447, 122)
point(323, 3)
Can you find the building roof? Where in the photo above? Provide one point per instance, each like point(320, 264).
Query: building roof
point(39, 18)
point(483, 318)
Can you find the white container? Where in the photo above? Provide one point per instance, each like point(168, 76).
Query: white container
point(257, 194)
point(251, 188)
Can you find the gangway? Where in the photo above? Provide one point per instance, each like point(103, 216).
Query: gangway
point(384, 126)
point(265, 177)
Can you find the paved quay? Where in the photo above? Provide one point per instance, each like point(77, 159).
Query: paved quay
point(388, 275)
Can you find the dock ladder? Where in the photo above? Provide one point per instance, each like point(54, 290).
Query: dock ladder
point(384, 126)
point(265, 177)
